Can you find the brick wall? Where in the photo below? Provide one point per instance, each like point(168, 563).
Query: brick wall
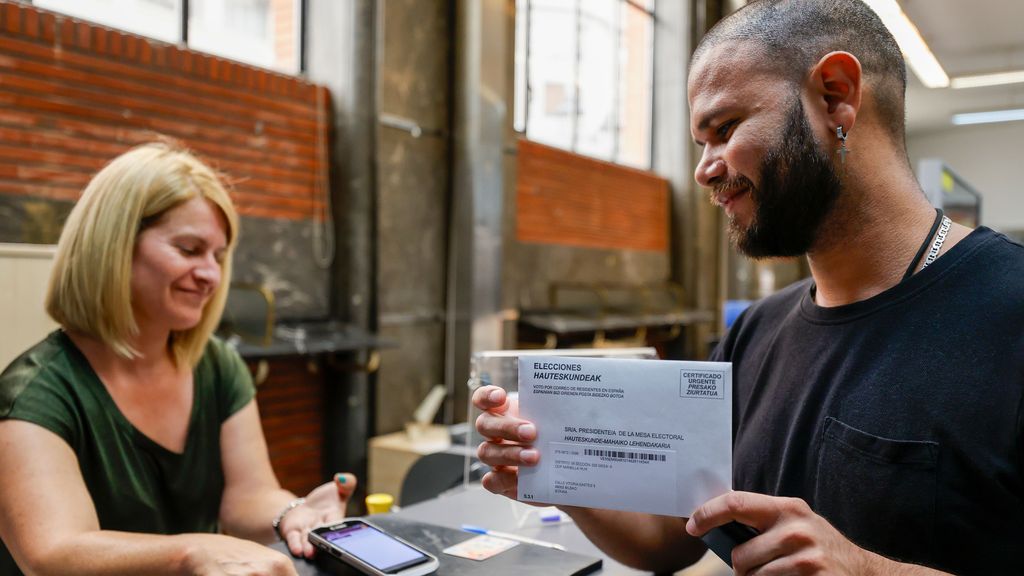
point(569, 199)
point(74, 94)
point(291, 404)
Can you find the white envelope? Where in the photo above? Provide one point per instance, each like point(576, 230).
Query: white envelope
point(642, 435)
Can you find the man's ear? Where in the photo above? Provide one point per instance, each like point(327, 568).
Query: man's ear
point(835, 84)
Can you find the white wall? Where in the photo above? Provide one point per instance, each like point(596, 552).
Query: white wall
point(24, 274)
point(991, 158)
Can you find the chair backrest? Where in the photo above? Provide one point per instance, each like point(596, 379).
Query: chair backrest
point(249, 313)
point(433, 474)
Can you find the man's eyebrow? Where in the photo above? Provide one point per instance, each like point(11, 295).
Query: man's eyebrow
point(710, 117)
point(705, 121)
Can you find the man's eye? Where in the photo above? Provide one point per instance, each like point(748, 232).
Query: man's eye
point(724, 129)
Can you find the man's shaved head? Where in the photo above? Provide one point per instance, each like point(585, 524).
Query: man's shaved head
point(791, 36)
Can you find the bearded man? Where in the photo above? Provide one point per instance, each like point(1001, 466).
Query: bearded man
point(877, 405)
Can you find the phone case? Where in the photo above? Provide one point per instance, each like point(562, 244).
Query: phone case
point(423, 569)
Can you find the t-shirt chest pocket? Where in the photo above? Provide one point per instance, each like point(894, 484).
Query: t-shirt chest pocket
point(878, 491)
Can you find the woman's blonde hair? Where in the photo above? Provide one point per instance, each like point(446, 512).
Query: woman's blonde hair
point(90, 286)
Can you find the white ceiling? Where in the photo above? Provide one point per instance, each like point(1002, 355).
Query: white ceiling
point(968, 37)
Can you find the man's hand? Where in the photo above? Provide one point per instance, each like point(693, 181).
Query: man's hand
point(509, 440)
point(793, 539)
point(324, 505)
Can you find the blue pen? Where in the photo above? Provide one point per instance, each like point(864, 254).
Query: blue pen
point(516, 537)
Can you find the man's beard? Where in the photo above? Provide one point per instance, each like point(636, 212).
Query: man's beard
point(799, 188)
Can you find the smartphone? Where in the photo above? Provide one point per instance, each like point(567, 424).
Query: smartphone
point(371, 550)
point(723, 539)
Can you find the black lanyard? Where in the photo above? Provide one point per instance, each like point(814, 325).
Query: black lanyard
point(924, 245)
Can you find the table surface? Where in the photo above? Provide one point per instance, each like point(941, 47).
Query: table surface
point(568, 323)
point(474, 505)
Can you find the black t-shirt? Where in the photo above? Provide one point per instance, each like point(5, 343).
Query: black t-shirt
point(897, 418)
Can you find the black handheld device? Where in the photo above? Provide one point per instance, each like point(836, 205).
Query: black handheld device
point(722, 539)
point(371, 550)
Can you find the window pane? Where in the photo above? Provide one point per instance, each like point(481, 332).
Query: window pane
point(644, 4)
point(258, 32)
point(598, 122)
point(551, 97)
point(635, 77)
point(519, 104)
point(159, 19)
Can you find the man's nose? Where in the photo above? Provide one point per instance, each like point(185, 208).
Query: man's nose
point(710, 169)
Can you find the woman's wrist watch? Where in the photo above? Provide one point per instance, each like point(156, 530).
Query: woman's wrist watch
point(277, 521)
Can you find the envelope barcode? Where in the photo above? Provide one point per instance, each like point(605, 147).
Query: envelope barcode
point(624, 455)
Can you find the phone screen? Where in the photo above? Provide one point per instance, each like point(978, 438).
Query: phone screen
point(375, 547)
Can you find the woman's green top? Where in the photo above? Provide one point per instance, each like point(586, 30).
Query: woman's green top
point(136, 484)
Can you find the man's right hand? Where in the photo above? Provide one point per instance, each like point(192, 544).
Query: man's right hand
point(651, 543)
point(509, 440)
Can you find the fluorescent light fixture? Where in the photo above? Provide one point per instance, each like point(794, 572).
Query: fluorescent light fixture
point(988, 117)
point(919, 56)
point(996, 79)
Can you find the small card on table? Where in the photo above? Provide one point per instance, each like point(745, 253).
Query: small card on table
point(649, 436)
point(480, 548)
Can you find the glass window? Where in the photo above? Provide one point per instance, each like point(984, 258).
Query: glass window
point(159, 19)
point(584, 76)
point(551, 86)
point(263, 33)
point(636, 78)
point(597, 121)
point(260, 32)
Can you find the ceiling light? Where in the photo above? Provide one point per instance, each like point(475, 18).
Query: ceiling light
point(988, 117)
point(919, 56)
point(995, 79)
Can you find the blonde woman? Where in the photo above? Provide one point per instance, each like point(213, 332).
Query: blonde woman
point(130, 441)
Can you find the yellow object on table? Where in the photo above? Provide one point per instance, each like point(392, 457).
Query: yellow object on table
point(379, 503)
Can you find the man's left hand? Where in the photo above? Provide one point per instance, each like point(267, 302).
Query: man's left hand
point(792, 540)
point(324, 505)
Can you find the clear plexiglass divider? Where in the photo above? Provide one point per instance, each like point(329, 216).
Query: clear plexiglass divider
point(501, 368)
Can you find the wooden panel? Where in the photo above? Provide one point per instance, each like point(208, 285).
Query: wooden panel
point(291, 409)
point(25, 269)
point(565, 198)
point(73, 95)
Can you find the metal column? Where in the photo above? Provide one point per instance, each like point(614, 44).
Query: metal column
point(341, 53)
point(482, 51)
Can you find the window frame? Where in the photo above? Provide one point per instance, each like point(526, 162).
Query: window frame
point(183, 36)
point(522, 89)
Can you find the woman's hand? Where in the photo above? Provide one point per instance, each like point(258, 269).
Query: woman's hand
point(325, 504)
point(219, 555)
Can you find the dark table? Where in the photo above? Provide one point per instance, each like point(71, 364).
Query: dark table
point(474, 505)
point(314, 338)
